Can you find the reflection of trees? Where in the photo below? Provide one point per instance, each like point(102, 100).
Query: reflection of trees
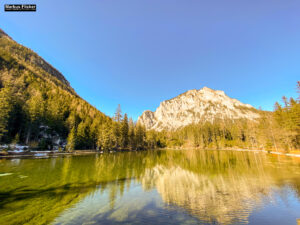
point(53, 185)
point(224, 191)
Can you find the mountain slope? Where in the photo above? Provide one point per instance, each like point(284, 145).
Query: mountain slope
point(38, 105)
point(195, 106)
point(32, 61)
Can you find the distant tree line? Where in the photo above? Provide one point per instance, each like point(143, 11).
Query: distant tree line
point(120, 133)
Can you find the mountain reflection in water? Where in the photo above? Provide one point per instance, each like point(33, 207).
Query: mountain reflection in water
point(154, 187)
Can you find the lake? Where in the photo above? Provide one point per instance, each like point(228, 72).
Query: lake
point(152, 187)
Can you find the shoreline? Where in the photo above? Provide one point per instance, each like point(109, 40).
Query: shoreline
point(42, 154)
point(48, 154)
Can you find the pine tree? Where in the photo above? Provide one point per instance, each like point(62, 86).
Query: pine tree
point(5, 109)
point(124, 132)
point(116, 135)
point(71, 140)
point(140, 136)
point(151, 139)
point(105, 137)
point(131, 135)
point(82, 136)
point(36, 113)
point(118, 114)
point(116, 127)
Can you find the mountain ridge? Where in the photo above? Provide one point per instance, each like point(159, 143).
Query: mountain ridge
point(194, 106)
point(2, 33)
point(27, 56)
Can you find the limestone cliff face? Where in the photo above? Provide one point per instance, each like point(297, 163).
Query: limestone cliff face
point(194, 106)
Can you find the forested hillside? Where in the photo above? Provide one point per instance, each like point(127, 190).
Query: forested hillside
point(39, 108)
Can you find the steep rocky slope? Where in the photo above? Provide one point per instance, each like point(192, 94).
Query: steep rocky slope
point(194, 106)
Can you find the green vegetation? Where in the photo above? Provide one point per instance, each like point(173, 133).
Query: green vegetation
point(40, 109)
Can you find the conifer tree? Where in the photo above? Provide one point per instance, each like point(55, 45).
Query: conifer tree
point(105, 137)
point(131, 135)
point(118, 114)
point(71, 140)
point(140, 136)
point(5, 109)
point(116, 135)
point(82, 136)
point(124, 132)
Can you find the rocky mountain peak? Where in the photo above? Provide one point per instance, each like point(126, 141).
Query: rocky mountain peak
point(194, 106)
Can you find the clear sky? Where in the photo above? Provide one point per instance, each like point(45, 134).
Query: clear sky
point(138, 53)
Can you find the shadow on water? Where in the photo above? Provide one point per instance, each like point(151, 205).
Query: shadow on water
point(24, 193)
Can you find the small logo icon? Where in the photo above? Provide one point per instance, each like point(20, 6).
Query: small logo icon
point(20, 7)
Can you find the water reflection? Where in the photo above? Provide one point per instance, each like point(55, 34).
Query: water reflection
point(174, 187)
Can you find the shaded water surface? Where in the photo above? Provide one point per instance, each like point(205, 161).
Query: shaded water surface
point(154, 187)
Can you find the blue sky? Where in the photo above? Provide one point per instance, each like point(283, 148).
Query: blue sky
point(138, 53)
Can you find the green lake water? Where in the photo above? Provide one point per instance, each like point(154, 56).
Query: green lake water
point(152, 187)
